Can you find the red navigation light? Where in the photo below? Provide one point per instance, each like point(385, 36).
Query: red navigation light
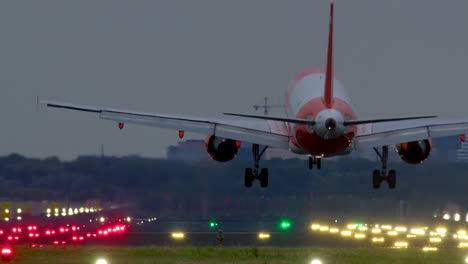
point(121, 125)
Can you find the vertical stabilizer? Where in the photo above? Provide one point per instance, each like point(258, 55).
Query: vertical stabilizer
point(328, 95)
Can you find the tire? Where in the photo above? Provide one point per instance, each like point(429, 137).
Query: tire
point(311, 163)
point(248, 178)
point(376, 179)
point(319, 164)
point(264, 178)
point(391, 179)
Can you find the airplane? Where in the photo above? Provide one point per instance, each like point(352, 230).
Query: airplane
point(319, 122)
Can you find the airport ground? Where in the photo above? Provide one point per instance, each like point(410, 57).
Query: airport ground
point(253, 255)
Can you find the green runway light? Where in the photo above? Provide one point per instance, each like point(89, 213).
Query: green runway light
point(213, 224)
point(285, 225)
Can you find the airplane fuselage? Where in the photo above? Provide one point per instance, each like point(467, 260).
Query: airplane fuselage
point(304, 100)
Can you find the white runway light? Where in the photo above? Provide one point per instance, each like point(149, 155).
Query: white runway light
point(101, 261)
point(316, 261)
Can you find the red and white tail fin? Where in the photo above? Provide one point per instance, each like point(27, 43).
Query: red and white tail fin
point(328, 95)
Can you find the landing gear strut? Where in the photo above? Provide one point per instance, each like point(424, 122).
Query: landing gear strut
point(379, 176)
point(252, 174)
point(314, 160)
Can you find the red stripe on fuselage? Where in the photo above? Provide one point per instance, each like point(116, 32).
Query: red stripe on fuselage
point(316, 145)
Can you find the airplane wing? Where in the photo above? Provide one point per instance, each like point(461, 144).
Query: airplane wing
point(262, 132)
point(390, 133)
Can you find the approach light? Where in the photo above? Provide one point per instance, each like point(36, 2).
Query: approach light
point(316, 261)
point(101, 261)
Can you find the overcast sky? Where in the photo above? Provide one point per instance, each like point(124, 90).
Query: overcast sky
point(205, 57)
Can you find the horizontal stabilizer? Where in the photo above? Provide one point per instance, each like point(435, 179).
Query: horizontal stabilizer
point(283, 119)
point(360, 122)
point(312, 122)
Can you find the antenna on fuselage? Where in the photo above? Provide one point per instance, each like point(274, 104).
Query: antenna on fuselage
point(328, 94)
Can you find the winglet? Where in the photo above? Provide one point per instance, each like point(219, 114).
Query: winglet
point(328, 95)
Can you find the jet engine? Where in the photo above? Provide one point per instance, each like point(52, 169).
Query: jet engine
point(414, 152)
point(221, 149)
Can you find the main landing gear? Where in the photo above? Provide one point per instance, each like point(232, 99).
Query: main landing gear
point(315, 161)
point(252, 174)
point(379, 176)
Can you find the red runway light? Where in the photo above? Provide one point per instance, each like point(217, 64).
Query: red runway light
point(6, 251)
point(1, 232)
point(48, 233)
point(74, 238)
point(56, 242)
point(81, 238)
point(16, 238)
point(10, 238)
point(31, 235)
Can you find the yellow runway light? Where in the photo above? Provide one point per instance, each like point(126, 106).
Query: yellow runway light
point(401, 244)
point(315, 226)
point(378, 240)
point(392, 233)
point(376, 231)
point(178, 235)
point(463, 245)
point(263, 236)
point(362, 228)
point(461, 232)
point(401, 229)
point(435, 239)
point(411, 236)
point(334, 230)
point(359, 236)
point(323, 228)
point(418, 231)
point(429, 249)
point(351, 226)
point(441, 230)
point(386, 227)
point(346, 233)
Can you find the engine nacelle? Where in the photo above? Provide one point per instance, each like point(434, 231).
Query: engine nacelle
point(414, 152)
point(221, 149)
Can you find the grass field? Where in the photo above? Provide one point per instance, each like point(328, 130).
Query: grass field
point(251, 255)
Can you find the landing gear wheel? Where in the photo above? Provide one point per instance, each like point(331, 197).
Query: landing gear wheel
point(248, 178)
point(391, 179)
point(311, 163)
point(263, 178)
point(376, 179)
point(319, 163)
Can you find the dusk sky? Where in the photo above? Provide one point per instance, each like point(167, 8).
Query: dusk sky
point(205, 57)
